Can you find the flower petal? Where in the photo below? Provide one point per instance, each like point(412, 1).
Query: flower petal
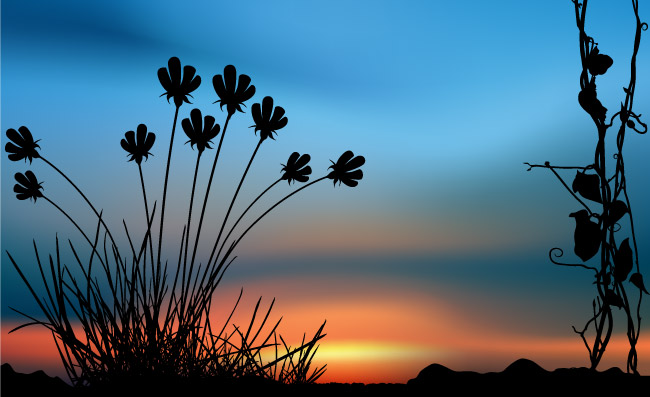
point(356, 162)
point(219, 88)
point(230, 78)
point(174, 67)
point(267, 108)
point(163, 77)
point(148, 143)
point(197, 121)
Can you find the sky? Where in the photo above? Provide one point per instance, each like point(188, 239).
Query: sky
point(440, 254)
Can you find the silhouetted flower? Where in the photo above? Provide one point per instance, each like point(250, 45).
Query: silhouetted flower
point(295, 169)
point(139, 148)
point(27, 187)
point(200, 133)
point(23, 145)
point(268, 120)
point(231, 94)
point(175, 86)
point(344, 170)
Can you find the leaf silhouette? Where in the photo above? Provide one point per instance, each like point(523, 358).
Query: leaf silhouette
point(586, 236)
point(598, 63)
point(637, 280)
point(616, 212)
point(613, 299)
point(590, 103)
point(588, 186)
point(623, 261)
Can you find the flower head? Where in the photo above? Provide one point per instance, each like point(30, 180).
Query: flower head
point(268, 120)
point(175, 86)
point(296, 168)
point(200, 131)
point(138, 148)
point(230, 93)
point(344, 170)
point(27, 187)
point(22, 145)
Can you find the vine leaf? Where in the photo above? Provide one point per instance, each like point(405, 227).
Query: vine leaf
point(588, 186)
point(637, 280)
point(613, 299)
point(616, 212)
point(590, 103)
point(598, 63)
point(586, 236)
point(623, 261)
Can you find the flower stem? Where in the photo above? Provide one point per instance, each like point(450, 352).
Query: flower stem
point(189, 220)
point(85, 198)
point(162, 211)
point(75, 224)
point(207, 191)
point(232, 202)
point(236, 242)
point(189, 216)
point(244, 213)
point(146, 208)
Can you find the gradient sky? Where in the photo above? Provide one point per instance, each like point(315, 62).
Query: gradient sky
point(440, 253)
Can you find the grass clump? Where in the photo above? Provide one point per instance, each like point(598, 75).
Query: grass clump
point(124, 314)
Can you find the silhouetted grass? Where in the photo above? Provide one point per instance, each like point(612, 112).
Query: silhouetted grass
point(121, 314)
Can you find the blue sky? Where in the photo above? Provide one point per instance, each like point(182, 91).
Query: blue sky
point(445, 100)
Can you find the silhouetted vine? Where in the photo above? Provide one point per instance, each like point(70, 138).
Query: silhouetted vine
point(597, 231)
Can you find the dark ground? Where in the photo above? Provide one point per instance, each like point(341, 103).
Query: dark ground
point(521, 378)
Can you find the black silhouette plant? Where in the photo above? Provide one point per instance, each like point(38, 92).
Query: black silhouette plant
point(139, 148)
point(136, 320)
point(346, 169)
point(296, 168)
point(27, 187)
point(177, 86)
point(598, 230)
point(230, 93)
point(267, 119)
point(233, 96)
point(200, 133)
point(22, 145)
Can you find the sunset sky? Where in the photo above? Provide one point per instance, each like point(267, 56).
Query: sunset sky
point(439, 255)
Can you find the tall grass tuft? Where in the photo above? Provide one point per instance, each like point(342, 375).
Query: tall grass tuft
point(121, 314)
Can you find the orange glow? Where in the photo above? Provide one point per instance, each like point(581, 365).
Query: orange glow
point(376, 332)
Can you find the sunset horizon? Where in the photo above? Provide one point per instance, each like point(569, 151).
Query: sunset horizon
point(453, 211)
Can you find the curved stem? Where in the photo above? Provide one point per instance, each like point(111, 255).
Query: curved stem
point(76, 225)
point(207, 191)
point(222, 262)
point(85, 198)
point(232, 202)
point(270, 209)
point(189, 216)
point(244, 213)
point(162, 211)
point(146, 208)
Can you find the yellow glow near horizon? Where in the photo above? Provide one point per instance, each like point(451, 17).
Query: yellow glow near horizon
point(374, 350)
